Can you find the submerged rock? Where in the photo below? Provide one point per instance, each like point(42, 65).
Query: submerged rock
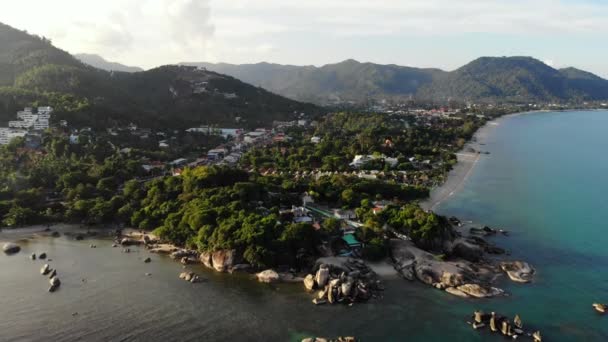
point(11, 248)
point(268, 276)
point(478, 291)
point(147, 260)
point(33, 256)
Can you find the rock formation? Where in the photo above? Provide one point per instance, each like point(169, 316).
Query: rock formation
point(518, 271)
point(11, 248)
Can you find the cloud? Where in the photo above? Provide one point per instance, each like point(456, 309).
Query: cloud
point(190, 22)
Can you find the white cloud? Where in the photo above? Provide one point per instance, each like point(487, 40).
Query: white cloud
point(153, 32)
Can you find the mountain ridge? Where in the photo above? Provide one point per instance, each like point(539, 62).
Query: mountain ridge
point(486, 79)
point(34, 72)
point(99, 62)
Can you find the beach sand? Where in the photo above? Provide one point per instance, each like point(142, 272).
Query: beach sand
point(467, 161)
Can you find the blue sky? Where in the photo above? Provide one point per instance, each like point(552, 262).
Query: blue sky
point(423, 33)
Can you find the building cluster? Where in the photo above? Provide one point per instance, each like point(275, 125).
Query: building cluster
point(29, 123)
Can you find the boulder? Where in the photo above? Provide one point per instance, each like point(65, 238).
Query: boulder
point(42, 256)
point(456, 292)
point(223, 260)
point(518, 271)
point(309, 282)
point(53, 274)
point(55, 234)
point(55, 283)
point(478, 291)
point(11, 248)
point(129, 242)
point(206, 260)
point(322, 276)
point(194, 279)
point(268, 276)
point(46, 269)
point(346, 287)
point(601, 308)
point(33, 256)
point(147, 260)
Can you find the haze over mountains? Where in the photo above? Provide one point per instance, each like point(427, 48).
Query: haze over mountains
point(489, 79)
point(100, 63)
point(33, 71)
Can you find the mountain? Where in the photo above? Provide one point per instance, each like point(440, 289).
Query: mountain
point(100, 63)
point(348, 81)
point(34, 72)
point(514, 79)
point(503, 79)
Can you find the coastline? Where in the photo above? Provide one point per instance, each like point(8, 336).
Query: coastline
point(467, 161)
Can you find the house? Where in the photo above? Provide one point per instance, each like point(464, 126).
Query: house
point(254, 137)
point(163, 144)
point(217, 154)
point(361, 160)
point(301, 215)
point(74, 138)
point(315, 140)
point(344, 214)
point(307, 199)
point(178, 162)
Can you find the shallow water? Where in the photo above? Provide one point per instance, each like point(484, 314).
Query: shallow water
point(544, 181)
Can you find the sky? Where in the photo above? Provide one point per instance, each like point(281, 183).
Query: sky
point(422, 33)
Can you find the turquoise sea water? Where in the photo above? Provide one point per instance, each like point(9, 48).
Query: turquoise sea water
point(545, 181)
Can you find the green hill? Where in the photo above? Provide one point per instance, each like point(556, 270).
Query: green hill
point(504, 79)
point(34, 72)
point(341, 82)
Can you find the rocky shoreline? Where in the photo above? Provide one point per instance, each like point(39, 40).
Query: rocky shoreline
point(468, 266)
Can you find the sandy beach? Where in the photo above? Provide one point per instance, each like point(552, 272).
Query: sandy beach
point(467, 160)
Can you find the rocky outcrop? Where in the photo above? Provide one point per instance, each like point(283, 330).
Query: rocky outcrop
point(478, 291)
point(11, 248)
point(222, 260)
point(466, 250)
point(129, 242)
point(518, 271)
point(342, 280)
point(268, 276)
point(414, 263)
point(205, 259)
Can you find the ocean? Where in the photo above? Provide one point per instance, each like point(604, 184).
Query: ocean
point(544, 181)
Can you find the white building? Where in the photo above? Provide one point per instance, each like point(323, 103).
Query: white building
point(8, 134)
point(29, 120)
